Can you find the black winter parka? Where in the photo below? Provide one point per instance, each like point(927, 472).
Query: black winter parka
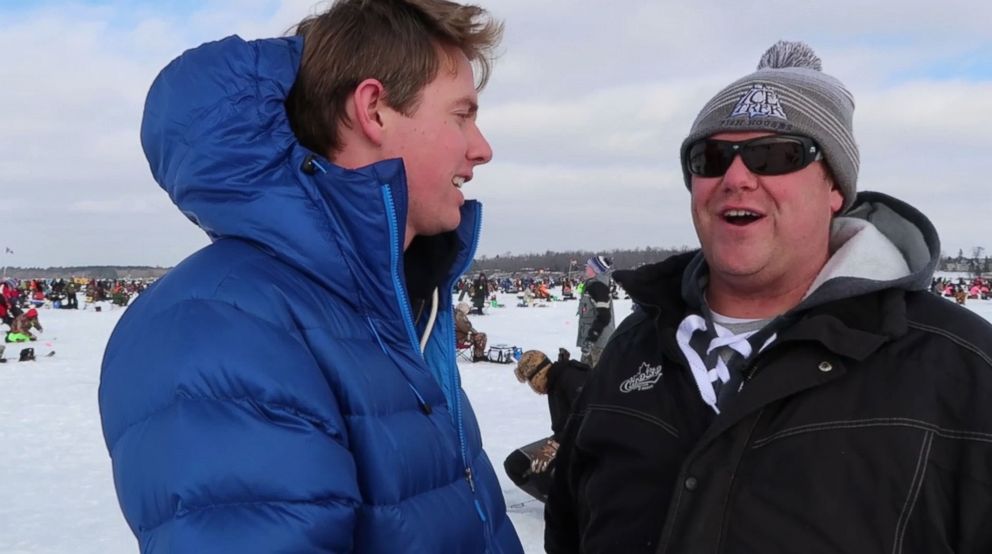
point(866, 427)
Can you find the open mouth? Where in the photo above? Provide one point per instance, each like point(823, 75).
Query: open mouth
point(741, 217)
point(458, 182)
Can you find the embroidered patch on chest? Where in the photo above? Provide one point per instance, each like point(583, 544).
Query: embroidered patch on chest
point(645, 378)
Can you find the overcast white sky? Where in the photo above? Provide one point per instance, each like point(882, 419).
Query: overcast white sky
point(585, 111)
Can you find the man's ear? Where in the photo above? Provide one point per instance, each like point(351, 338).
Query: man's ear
point(368, 102)
point(836, 199)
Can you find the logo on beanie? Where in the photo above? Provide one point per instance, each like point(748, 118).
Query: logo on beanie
point(644, 379)
point(759, 101)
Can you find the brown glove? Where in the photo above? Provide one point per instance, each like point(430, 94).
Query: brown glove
point(544, 458)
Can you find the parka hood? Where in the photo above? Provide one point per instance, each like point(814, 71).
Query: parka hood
point(881, 243)
point(218, 140)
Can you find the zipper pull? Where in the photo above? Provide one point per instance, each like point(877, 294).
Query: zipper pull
point(475, 500)
point(468, 477)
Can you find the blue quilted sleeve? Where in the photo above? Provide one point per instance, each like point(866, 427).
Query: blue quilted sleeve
point(224, 435)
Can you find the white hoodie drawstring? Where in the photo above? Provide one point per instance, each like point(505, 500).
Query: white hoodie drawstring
point(704, 376)
point(430, 321)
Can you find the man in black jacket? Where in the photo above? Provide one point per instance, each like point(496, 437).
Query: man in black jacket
point(480, 292)
point(791, 387)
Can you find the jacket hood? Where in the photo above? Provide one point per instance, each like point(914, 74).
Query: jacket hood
point(218, 141)
point(881, 243)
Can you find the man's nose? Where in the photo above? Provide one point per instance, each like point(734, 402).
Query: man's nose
point(479, 151)
point(738, 175)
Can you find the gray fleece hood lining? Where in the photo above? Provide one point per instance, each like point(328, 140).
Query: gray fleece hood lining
point(859, 250)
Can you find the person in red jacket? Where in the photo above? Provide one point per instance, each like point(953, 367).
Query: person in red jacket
point(20, 328)
point(5, 316)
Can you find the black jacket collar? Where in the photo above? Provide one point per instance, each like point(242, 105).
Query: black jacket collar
point(426, 263)
point(851, 327)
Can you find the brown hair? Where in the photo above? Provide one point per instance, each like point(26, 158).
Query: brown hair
point(394, 41)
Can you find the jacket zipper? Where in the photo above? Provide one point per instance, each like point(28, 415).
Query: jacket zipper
point(454, 399)
point(730, 485)
point(450, 361)
point(665, 538)
point(394, 253)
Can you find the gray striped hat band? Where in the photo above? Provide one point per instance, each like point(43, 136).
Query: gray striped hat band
point(794, 99)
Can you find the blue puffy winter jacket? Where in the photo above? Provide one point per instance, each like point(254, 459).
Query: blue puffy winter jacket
point(268, 394)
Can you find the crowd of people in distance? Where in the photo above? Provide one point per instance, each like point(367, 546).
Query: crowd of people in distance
point(65, 294)
point(595, 310)
point(20, 301)
point(961, 289)
point(529, 287)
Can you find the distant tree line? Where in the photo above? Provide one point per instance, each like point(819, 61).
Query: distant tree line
point(976, 263)
point(572, 260)
point(89, 272)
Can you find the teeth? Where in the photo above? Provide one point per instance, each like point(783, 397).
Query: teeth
point(458, 182)
point(740, 213)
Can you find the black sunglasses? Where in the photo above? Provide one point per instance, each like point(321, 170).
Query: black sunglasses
point(771, 155)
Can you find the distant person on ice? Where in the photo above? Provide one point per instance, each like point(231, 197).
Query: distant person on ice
point(595, 310)
point(6, 316)
point(793, 386)
point(480, 293)
point(465, 333)
point(12, 296)
point(293, 386)
point(21, 326)
point(71, 302)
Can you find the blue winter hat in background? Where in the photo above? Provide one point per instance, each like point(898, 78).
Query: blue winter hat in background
point(599, 264)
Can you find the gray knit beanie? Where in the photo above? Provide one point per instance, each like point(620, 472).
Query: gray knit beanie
point(788, 94)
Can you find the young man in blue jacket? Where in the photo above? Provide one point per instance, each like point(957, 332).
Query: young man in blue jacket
point(292, 387)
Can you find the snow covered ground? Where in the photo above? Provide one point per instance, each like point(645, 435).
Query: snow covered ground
point(56, 490)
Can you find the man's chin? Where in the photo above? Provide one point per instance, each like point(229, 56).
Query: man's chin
point(445, 226)
point(454, 221)
point(732, 264)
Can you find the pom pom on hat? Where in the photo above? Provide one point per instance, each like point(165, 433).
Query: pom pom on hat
point(790, 54)
point(462, 307)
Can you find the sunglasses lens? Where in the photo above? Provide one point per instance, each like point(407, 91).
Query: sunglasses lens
point(709, 158)
point(775, 156)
